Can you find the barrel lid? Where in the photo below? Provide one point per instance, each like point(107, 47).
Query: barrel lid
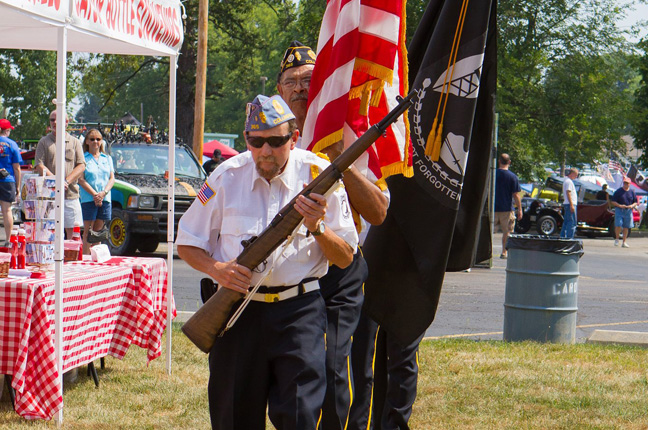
point(555, 245)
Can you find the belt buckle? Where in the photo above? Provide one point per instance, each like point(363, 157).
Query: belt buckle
point(271, 297)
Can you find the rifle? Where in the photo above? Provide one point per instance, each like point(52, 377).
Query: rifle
point(208, 322)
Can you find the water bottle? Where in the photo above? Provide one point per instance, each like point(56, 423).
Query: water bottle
point(22, 249)
point(76, 235)
point(13, 244)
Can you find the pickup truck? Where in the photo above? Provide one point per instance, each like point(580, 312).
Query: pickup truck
point(139, 196)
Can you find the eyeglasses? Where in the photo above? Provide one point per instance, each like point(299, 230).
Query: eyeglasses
point(52, 119)
point(95, 139)
point(273, 141)
point(292, 83)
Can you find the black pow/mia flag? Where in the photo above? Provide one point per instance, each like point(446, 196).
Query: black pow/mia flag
point(452, 62)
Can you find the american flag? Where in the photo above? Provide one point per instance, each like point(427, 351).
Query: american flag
point(615, 165)
point(205, 194)
point(360, 68)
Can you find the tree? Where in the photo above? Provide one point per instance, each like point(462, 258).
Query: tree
point(590, 123)
point(640, 111)
point(552, 59)
point(28, 87)
point(115, 84)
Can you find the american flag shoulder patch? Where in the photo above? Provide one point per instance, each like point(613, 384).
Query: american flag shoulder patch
point(205, 193)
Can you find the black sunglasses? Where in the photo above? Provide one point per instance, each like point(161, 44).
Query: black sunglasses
point(95, 139)
point(273, 141)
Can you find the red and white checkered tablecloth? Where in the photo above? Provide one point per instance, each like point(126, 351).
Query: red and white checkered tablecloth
point(105, 309)
point(144, 314)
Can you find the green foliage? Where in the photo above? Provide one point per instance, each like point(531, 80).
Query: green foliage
point(27, 89)
point(562, 81)
point(116, 84)
point(246, 44)
point(640, 113)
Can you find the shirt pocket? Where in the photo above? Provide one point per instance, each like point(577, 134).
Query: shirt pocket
point(69, 154)
point(234, 230)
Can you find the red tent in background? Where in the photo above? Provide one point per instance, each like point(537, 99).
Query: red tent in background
point(226, 151)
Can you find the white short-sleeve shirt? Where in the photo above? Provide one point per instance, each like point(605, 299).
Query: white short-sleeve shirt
point(236, 204)
point(569, 188)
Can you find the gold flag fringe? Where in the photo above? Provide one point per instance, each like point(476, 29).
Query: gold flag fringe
point(328, 141)
point(373, 69)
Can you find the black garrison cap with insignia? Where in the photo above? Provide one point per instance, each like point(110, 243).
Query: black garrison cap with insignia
point(297, 55)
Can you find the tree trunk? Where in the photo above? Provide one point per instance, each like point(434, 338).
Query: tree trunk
point(186, 81)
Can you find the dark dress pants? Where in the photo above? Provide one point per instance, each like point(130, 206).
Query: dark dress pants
point(385, 377)
point(342, 292)
point(273, 356)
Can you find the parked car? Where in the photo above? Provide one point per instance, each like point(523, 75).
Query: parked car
point(594, 217)
point(139, 196)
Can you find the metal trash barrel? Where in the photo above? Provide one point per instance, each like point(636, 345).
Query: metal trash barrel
point(541, 288)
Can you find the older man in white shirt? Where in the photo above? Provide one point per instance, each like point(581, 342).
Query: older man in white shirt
point(274, 354)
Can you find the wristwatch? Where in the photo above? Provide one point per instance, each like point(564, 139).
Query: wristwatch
point(319, 230)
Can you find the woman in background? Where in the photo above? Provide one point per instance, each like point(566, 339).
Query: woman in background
point(97, 180)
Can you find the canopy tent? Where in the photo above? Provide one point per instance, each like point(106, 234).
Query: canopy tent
point(129, 119)
point(132, 27)
point(226, 151)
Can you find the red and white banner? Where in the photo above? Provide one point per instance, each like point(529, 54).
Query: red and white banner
point(55, 10)
point(149, 22)
point(361, 67)
point(145, 27)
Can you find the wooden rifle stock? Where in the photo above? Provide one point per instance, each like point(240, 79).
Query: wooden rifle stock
point(208, 322)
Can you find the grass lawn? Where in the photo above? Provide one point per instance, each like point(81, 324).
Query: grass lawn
point(462, 385)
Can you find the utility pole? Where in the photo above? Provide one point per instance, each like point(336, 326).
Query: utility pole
point(201, 79)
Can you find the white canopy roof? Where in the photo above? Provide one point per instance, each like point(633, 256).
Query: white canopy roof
point(132, 27)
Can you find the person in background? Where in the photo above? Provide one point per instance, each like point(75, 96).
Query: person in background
point(45, 164)
point(10, 161)
point(272, 359)
point(98, 178)
point(211, 164)
point(603, 194)
point(570, 203)
point(507, 190)
point(624, 200)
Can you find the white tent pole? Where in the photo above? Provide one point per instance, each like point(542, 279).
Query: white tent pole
point(173, 64)
point(59, 203)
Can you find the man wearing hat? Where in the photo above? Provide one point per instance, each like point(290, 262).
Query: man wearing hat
point(274, 355)
point(10, 161)
point(211, 164)
point(341, 287)
point(624, 200)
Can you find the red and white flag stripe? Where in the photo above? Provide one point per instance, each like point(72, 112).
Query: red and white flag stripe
point(359, 71)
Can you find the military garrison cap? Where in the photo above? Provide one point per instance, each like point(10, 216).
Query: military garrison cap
point(297, 55)
point(266, 112)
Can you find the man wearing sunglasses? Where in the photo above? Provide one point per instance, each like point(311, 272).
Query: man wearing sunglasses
point(45, 164)
point(273, 357)
point(341, 287)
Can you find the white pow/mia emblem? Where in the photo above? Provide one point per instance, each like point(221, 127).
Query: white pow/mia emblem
point(346, 209)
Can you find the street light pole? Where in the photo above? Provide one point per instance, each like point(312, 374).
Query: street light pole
point(263, 81)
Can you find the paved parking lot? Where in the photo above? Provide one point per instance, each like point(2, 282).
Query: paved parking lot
point(612, 293)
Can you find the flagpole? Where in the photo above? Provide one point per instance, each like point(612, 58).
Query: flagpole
point(491, 204)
